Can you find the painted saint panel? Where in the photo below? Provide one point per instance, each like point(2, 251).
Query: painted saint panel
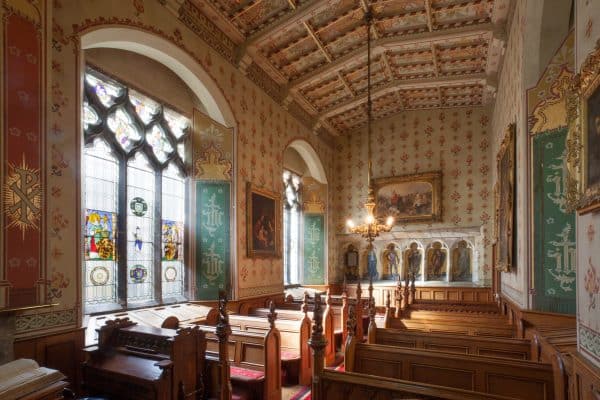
point(314, 251)
point(212, 238)
point(554, 228)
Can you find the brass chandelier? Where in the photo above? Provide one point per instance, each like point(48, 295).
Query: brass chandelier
point(371, 228)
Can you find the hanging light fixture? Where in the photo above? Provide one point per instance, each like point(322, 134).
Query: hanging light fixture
point(371, 228)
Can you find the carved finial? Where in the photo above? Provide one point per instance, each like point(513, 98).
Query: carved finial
point(358, 291)
point(372, 309)
point(370, 286)
point(328, 298)
point(272, 314)
point(223, 328)
point(351, 323)
point(344, 286)
point(388, 300)
point(317, 329)
point(305, 304)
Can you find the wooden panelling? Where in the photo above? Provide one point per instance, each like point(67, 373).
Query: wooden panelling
point(513, 378)
point(494, 347)
point(586, 380)
point(61, 351)
point(463, 327)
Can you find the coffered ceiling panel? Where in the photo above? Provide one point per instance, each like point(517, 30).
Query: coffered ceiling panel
point(425, 53)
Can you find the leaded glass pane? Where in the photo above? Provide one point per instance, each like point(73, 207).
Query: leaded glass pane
point(291, 227)
point(140, 229)
point(159, 143)
point(122, 125)
point(173, 214)
point(105, 90)
point(181, 151)
point(178, 124)
point(90, 116)
point(101, 179)
point(145, 107)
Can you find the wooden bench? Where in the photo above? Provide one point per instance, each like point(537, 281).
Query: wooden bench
point(252, 360)
point(512, 378)
point(302, 349)
point(519, 349)
point(141, 362)
point(335, 385)
point(459, 328)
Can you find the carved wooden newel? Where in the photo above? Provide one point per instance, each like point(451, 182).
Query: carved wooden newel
point(358, 310)
point(372, 332)
point(350, 341)
point(413, 290)
point(223, 330)
point(388, 310)
point(317, 343)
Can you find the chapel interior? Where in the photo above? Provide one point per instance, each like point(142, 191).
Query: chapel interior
point(300, 199)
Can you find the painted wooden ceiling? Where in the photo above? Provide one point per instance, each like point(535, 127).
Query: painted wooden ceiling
point(312, 55)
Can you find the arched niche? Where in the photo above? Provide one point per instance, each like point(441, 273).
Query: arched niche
point(390, 261)
point(173, 57)
point(436, 261)
point(413, 259)
point(462, 260)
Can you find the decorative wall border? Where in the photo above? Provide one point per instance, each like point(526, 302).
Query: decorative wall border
point(259, 291)
point(589, 342)
point(42, 321)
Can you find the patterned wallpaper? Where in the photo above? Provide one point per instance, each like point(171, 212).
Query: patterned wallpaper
point(455, 141)
point(263, 131)
point(510, 108)
point(588, 226)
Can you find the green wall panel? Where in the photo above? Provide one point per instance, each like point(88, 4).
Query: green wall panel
point(554, 228)
point(212, 238)
point(314, 249)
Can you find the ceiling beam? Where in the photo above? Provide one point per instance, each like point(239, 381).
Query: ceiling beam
point(346, 84)
point(399, 84)
point(380, 45)
point(318, 42)
point(429, 15)
point(434, 58)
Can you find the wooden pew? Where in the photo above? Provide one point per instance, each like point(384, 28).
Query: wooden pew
point(334, 385)
point(513, 378)
point(253, 359)
point(519, 349)
point(302, 349)
point(141, 362)
point(293, 335)
point(461, 328)
point(452, 316)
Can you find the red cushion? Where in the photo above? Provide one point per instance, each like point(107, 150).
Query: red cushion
point(287, 355)
point(246, 374)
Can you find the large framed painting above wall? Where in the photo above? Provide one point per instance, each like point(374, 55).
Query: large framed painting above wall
point(410, 198)
point(263, 211)
point(589, 134)
point(505, 201)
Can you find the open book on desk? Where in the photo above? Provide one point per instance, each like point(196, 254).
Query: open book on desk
point(22, 377)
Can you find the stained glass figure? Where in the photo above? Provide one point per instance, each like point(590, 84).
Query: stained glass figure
point(124, 128)
point(105, 90)
point(159, 142)
point(178, 124)
point(145, 108)
point(99, 235)
point(90, 116)
point(171, 240)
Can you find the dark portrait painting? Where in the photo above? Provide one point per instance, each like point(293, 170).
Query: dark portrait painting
point(263, 226)
point(593, 141)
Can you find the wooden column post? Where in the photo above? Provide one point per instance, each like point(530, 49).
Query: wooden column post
point(223, 331)
point(317, 343)
point(405, 297)
point(344, 317)
point(372, 332)
point(413, 289)
point(398, 298)
point(359, 308)
point(388, 310)
point(350, 341)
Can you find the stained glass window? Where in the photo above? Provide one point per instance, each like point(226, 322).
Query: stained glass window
point(134, 197)
point(291, 228)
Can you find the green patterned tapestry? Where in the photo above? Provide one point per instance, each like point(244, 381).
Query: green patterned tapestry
point(314, 251)
point(554, 228)
point(212, 239)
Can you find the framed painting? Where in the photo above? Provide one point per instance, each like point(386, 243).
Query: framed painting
point(505, 201)
point(264, 227)
point(410, 198)
point(590, 134)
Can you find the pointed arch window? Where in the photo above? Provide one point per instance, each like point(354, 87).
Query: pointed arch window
point(292, 211)
point(134, 197)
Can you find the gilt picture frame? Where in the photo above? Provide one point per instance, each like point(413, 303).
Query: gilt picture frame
point(589, 134)
point(263, 222)
point(505, 201)
point(409, 198)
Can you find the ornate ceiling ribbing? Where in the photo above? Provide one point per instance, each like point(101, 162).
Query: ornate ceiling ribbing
point(312, 54)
